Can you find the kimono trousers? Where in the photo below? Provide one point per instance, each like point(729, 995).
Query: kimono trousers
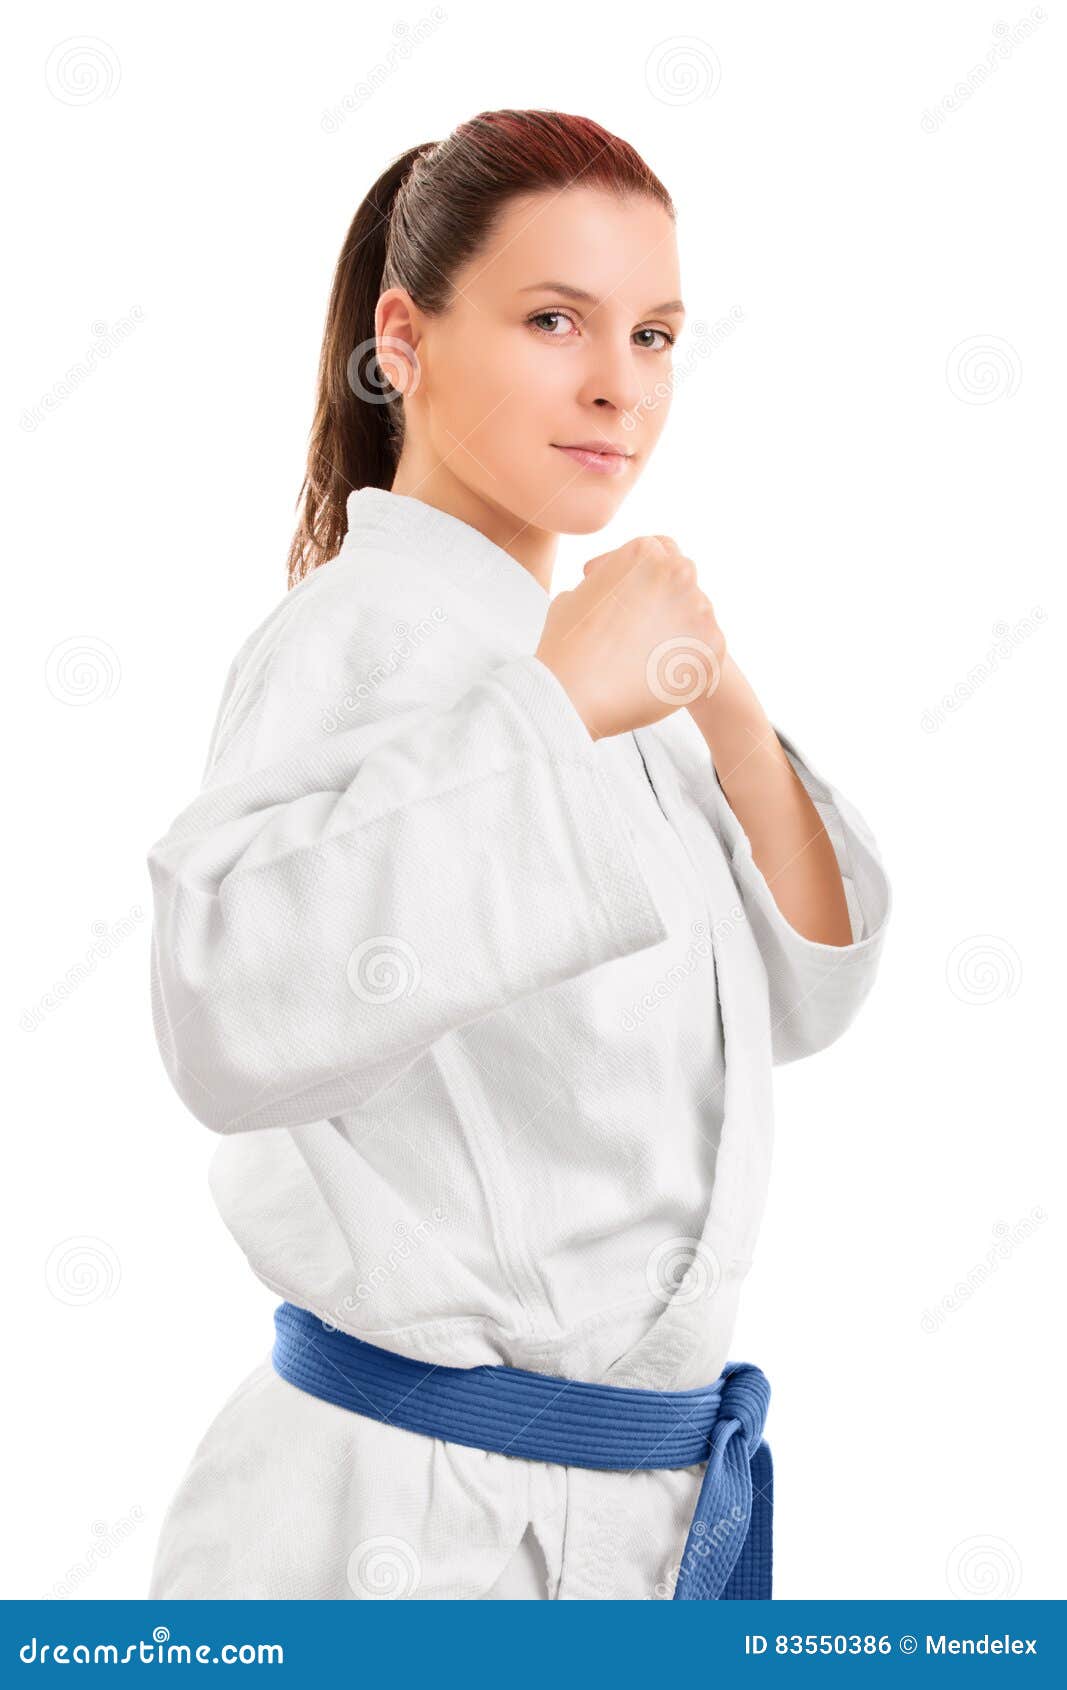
point(484, 1012)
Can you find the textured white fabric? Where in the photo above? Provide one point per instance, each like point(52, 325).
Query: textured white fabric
point(454, 983)
point(525, 1577)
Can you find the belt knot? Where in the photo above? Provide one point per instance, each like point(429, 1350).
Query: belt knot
point(743, 1408)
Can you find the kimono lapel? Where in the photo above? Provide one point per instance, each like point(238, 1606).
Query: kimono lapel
point(687, 1343)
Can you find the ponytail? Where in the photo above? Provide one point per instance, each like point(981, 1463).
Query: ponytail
point(357, 428)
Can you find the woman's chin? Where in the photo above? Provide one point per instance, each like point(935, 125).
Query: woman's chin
point(584, 510)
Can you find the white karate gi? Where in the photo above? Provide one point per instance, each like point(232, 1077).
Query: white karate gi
point(453, 982)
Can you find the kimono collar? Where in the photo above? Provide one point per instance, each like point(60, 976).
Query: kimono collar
point(513, 600)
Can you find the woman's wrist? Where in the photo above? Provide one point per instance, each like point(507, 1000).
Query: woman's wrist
point(744, 747)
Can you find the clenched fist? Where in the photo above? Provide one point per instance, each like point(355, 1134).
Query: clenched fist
point(637, 640)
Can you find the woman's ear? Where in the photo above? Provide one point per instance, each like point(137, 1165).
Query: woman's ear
point(396, 330)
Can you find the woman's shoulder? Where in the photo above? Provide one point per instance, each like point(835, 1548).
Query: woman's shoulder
point(365, 637)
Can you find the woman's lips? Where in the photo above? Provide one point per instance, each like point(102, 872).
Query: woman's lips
point(601, 463)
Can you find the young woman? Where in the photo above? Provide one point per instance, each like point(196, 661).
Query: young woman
point(494, 911)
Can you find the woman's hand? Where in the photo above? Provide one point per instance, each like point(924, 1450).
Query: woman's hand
point(637, 640)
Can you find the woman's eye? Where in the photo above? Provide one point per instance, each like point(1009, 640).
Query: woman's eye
point(665, 336)
point(541, 316)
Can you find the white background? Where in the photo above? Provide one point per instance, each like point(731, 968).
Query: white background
point(872, 504)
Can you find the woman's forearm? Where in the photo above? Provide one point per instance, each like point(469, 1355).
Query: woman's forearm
point(790, 845)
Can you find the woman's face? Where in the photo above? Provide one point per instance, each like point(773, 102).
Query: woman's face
point(559, 335)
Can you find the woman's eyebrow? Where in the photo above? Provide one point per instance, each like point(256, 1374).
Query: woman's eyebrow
point(670, 305)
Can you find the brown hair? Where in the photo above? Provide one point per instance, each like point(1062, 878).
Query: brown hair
point(427, 216)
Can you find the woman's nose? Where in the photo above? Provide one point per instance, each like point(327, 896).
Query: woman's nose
point(613, 378)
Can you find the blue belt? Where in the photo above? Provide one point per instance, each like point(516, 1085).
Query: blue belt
point(540, 1417)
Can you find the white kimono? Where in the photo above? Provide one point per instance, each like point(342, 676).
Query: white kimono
point(454, 982)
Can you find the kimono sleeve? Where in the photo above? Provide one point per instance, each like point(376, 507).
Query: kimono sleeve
point(816, 989)
point(320, 920)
